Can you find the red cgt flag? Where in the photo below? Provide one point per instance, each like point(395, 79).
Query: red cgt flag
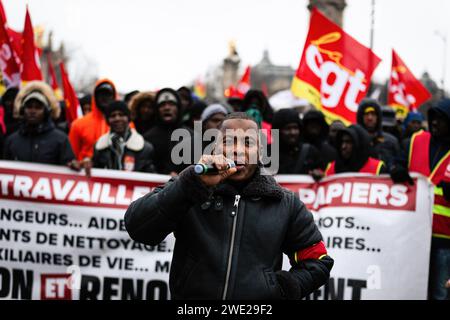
point(30, 55)
point(73, 109)
point(405, 93)
point(335, 70)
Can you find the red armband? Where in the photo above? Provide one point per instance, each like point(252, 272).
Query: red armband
point(316, 251)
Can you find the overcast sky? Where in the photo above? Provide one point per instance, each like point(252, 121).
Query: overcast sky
point(142, 44)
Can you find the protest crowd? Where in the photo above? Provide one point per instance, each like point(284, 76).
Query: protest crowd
point(132, 132)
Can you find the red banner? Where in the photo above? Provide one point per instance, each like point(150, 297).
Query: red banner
point(406, 93)
point(335, 70)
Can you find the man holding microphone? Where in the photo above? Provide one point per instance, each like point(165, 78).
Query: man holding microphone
point(232, 225)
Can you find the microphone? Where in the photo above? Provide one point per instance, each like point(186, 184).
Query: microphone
point(210, 169)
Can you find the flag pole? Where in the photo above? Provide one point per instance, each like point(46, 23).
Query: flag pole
point(372, 24)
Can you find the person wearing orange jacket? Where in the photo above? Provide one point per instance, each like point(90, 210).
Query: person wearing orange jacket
point(85, 131)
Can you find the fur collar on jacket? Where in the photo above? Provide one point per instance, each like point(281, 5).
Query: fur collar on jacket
point(43, 88)
point(260, 186)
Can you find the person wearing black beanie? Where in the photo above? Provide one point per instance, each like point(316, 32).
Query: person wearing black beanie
point(117, 106)
point(296, 157)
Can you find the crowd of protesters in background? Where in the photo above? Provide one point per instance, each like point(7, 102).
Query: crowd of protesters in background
point(133, 133)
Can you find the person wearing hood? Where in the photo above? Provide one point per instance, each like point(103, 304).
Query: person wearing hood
point(37, 140)
point(295, 157)
point(353, 153)
point(168, 119)
point(384, 146)
point(316, 133)
point(85, 131)
point(122, 148)
point(213, 116)
point(143, 112)
point(429, 154)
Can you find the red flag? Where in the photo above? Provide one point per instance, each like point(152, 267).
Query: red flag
point(9, 66)
point(2, 13)
point(405, 93)
point(15, 37)
point(53, 82)
point(335, 70)
point(244, 84)
point(30, 56)
point(16, 42)
point(73, 108)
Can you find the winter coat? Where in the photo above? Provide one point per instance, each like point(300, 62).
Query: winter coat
point(137, 154)
point(384, 146)
point(48, 145)
point(85, 131)
point(230, 245)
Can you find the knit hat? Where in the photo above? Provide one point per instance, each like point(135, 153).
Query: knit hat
point(212, 110)
point(413, 116)
point(36, 95)
point(117, 106)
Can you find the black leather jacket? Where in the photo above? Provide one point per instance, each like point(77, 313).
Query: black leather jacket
point(230, 245)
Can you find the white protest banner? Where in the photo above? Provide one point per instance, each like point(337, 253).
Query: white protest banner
point(62, 235)
point(55, 223)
